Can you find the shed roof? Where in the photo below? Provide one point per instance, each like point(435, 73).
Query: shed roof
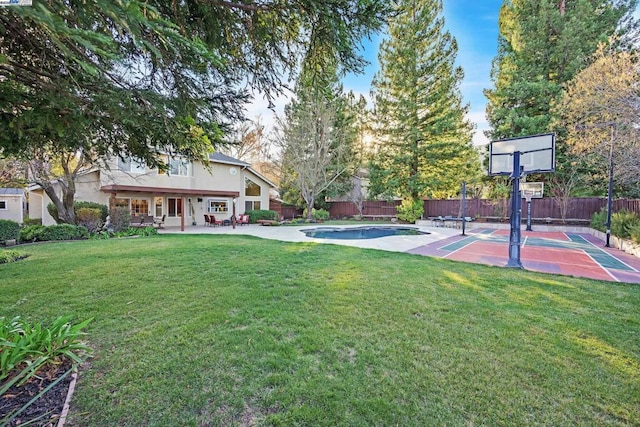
point(11, 192)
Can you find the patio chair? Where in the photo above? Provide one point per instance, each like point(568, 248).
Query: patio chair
point(159, 221)
point(207, 221)
point(243, 219)
point(213, 221)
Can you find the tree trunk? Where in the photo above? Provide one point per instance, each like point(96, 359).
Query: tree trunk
point(64, 204)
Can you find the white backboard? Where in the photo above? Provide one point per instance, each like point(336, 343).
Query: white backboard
point(537, 154)
point(537, 188)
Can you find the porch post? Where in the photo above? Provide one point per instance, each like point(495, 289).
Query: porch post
point(182, 214)
point(233, 212)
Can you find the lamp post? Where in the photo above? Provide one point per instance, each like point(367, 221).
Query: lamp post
point(610, 186)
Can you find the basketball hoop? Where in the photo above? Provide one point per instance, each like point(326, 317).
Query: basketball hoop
point(528, 195)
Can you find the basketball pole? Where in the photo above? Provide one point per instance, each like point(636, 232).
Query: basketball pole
point(528, 199)
point(464, 205)
point(516, 215)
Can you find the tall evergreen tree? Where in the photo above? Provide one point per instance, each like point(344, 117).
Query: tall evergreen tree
point(424, 140)
point(542, 45)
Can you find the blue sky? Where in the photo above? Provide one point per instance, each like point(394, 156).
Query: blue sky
point(474, 24)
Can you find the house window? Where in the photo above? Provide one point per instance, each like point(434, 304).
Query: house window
point(174, 207)
point(139, 207)
point(3, 205)
point(218, 206)
point(122, 203)
point(252, 205)
point(158, 205)
point(251, 188)
point(179, 167)
point(131, 165)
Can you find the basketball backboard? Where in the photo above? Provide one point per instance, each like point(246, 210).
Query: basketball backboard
point(537, 154)
point(536, 188)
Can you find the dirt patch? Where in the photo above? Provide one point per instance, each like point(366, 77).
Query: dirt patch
point(46, 409)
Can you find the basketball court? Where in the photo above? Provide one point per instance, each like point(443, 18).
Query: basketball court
point(569, 254)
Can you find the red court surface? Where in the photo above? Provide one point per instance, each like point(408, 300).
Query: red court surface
point(569, 254)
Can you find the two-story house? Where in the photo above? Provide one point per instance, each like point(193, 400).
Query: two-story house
point(183, 195)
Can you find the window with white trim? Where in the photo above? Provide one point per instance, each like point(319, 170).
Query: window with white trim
point(174, 207)
point(252, 205)
point(217, 206)
point(122, 203)
point(3, 205)
point(179, 166)
point(131, 165)
point(139, 207)
point(251, 188)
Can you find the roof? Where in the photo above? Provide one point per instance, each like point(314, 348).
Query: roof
point(223, 158)
point(167, 191)
point(218, 157)
point(11, 192)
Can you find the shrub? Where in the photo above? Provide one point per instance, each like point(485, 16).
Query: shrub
point(320, 214)
point(599, 220)
point(119, 219)
point(64, 232)
point(137, 231)
point(104, 210)
point(317, 214)
point(257, 215)
point(26, 347)
point(32, 233)
point(410, 210)
point(622, 221)
point(634, 233)
point(90, 218)
point(32, 221)
point(9, 230)
point(10, 255)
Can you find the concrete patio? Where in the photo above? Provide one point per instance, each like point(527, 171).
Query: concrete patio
point(293, 233)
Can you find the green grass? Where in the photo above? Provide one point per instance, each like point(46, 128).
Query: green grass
point(232, 330)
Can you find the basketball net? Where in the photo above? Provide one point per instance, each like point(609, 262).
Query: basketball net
point(528, 195)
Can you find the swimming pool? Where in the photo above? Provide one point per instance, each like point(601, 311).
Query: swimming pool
point(372, 232)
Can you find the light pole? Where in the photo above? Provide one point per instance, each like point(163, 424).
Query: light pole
point(610, 186)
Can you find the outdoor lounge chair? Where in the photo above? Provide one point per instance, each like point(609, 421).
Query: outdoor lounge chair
point(207, 220)
point(243, 219)
point(213, 221)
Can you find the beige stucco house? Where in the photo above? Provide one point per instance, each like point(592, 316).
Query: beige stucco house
point(182, 196)
point(12, 204)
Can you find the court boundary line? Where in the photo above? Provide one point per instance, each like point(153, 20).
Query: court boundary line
point(602, 250)
point(459, 249)
point(601, 266)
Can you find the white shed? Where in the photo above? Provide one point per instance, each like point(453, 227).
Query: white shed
point(12, 204)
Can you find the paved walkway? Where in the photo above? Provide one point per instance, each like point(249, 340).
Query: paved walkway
point(572, 254)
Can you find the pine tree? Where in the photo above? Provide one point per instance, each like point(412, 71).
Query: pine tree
point(542, 45)
point(424, 140)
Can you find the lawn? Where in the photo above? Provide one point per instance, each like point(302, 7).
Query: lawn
point(233, 330)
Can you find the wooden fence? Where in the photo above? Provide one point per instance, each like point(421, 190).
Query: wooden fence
point(580, 208)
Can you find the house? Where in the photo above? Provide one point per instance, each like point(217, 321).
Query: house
point(12, 204)
point(183, 195)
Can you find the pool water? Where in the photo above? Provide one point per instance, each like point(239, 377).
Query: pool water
point(361, 232)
